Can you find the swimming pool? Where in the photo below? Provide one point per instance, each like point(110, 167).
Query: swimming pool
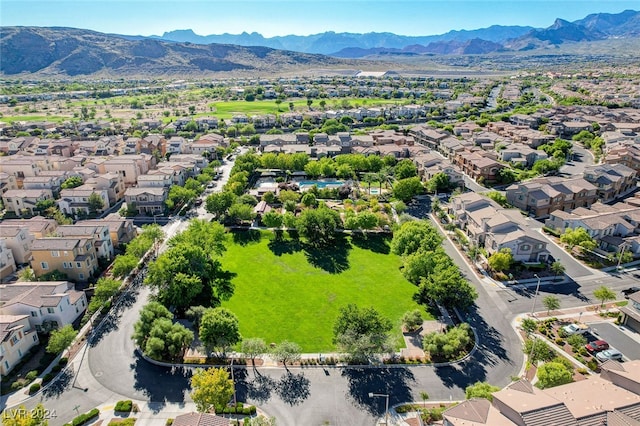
point(321, 184)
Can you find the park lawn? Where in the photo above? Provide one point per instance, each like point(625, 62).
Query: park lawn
point(52, 118)
point(285, 297)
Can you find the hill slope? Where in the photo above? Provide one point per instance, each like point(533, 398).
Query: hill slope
point(76, 52)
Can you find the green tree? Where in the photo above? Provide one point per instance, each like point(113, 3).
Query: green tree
point(319, 225)
point(501, 260)
point(529, 325)
point(179, 196)
point(272, 219)
point(576, 341)
point(253, 348)
point(104, 290)
point(148, 315)
point(219, 329)
point(405, 189)
point(553, 374)
point(287, 195)
point(361, 332)
point(167, 340)
point(537, 350)
point(551, 303)
point(557, 268)
point(209, 236)
point(309, 200)
point(60, 339)
point(412, 320)
point(480, 390)
point(211, 388)
point(72, 182)
point(413, 236)
point(261, 420)
point(447, 286)
point(95, 203)
point(604, 294)
point(27, 274)
point(123, 264)
point(219, 203)
point(451, 345)
point(239, 212)
point(405, 169)
point(286, 352)
point(578, 237)
point(439, 182)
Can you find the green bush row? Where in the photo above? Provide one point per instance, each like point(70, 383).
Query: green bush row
point(83, 418)
point(124, 406)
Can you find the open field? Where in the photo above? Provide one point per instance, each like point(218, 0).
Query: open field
point(287, 291)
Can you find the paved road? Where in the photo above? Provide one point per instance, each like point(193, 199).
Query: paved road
point(617, 339)
point(582, 158)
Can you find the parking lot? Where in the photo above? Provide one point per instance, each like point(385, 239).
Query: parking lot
point(616, 338)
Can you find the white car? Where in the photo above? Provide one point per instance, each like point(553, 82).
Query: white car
point(575, 329)
point(609, 354)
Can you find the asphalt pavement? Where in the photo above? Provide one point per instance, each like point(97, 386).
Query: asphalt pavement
point(617, 339)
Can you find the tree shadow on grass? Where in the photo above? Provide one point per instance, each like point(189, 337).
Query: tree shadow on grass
point(333, 258)
point(395, 382)
point(280, 245)
point(377, 243)
point(243, 238)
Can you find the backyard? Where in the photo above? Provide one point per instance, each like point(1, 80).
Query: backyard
point(288, 290)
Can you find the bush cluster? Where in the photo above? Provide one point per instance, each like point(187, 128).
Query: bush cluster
point(84, 418)
point(124, 406)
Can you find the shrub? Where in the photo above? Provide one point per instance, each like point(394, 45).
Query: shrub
point(84, 418)
point(56, 368)
point(582, 371)
point(63, 361)
point(559, 341)
point(47, 378)
point(34, 388)
point(592, 364)
point(124, 406)
point(31, 375)
point(169, 422)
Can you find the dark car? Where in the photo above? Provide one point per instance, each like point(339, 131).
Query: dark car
point(629, 291)
point(596, 346)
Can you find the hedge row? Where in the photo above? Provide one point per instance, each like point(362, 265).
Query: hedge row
point(83, 418)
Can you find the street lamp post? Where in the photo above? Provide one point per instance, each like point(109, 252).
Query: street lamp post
point(386, 406)
point(624, 247)
point(535, 296)
point(233, 380)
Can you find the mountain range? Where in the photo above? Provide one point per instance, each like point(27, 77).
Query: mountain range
point(76, 52)
point(496, 38)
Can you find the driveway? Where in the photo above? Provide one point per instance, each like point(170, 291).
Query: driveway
point(582, 158)
point(617, 339)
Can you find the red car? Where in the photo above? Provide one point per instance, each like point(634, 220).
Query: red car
point(596, 346)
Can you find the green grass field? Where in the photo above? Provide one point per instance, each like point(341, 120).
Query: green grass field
point(287, 292)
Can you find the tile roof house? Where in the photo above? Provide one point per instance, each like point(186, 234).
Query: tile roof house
point(98, 232)
point(631, 313)
point(20, 201)
point(541, 196)
point(17, 337)
point(612, 180)
point(18, 240)
point(200, 419)
point(7, 261)
point(37, 226)
point(490, 226)
point(609, 399)
point(49, 304)
point(147, 200)
point(628, 155)
point(75, 257)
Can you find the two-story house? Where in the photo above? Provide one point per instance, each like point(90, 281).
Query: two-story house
point(611, 180)
point(7, 262)
point(18, 240)
point(75, 257)
point(147, 200)
point(21, 201)
point(17, 337)
point(98, 233)
point(78, 201)
point(121, 229)
point(49, 304)
point(113, 183)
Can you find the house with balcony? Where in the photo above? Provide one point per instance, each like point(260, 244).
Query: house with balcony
point(21, 201)
point(539, 197)
point(49, 304)
point(76, 201)
point(627, 155)
point(478, 165)
point(17, 337)
point(20, 167)
point(98, 233)
point(18, 240)
point(74, 257)
point(37, 226)
point(121, 230)
point(148, 201)
point(113, 183)
point(130, 166)
point(208, 144)
point(611, 180)
point(158, 179)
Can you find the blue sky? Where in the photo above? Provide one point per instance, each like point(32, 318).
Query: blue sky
point(301, 17)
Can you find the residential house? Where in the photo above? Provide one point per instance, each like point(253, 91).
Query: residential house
point(611, 180)
point(42, 181)
point(113, 183)
point(572, 404)
point(17, 337)
point(20, 167)
point(177, 145)
point(521, 154)
point(490, 226)
point(627, 154)
point(147, 200)
point(131, 146)
point(200, 419)
point(208, 144)
point(539, 197)
point(37, 226)
point(18, 241)
point(478, 165)
point(158, 179)
point(195, 161)
point(121, 229)
point(75, 257)
point(49, 304)
point(24, 201)
point(428, 136)
point(7, 261)
point(76, 201)
point(7, 182)
point(99, 233)
point(131, 166)
point(152, 144)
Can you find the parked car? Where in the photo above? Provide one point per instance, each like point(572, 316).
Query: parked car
point(629, 291)
point(575, 329)
point(609, 354)
point(198, 202)
point(596, 346)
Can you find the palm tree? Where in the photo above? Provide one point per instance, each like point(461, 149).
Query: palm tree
point(557, 268)
point(424, 397)
point(384, 175)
